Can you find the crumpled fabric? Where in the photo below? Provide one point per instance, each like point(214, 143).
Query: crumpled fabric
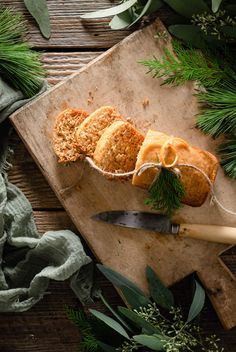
point(27, 260)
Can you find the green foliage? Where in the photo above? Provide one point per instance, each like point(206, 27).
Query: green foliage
point(153, 342)
point(88, 342)
point(160, 294)
point(150, 328)
point(218, 114)
point(197, 303)
point(187, 65)
point(166, 192)
point(132, 293)
point(227, 151)
point(39, 10)
point(19, 65)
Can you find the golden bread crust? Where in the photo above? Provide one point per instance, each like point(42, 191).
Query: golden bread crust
point(64, 143)
point(195, 184)
point(117, 149)
point(89, 132)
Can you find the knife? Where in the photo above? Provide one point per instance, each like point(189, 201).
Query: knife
point(162, 224)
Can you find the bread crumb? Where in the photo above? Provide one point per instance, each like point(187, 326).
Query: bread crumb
point(145, 102)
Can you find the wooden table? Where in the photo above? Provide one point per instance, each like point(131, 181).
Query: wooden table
point(45, 327)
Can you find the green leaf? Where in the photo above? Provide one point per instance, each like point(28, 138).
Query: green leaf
point(122, 20)
point(106, 347)
point(161, 294)
point(147, 8)
point(190, 34)
point(138, 320)
point(152, 342)
point(114, 313)
point(115, 10)
point(215, 5)
point(39, 10)
point(134, 299)
point(187, 8)
point(118, 280)
point(227, 151)
point(197, 303)
point(110, 322)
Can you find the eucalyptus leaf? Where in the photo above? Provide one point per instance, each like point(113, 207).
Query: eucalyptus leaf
point(112, 11)
point(134, 299)
point(121, 21)
point(215, 5)
point(118, 280)
point(138, 320)
point(189, 33)
point(106, 347)
point(39, 10)
point(152, 342)
point(161, 294)
point(197, 303)
point(114, 313)
point(147, 7)
point(187, 8)
point(110, 322)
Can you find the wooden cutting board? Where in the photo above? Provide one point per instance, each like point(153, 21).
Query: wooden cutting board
point(116, 78)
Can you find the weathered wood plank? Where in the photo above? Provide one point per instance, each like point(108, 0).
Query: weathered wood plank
point(68, 30)
point(60, 65)
point(53, 221)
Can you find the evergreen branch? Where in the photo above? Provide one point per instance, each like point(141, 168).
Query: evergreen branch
point(188, 65)
point(166, 192)
point(219, 112)
point(227, 151)
point(19, 65)
point(13, 27)
point(88, 343)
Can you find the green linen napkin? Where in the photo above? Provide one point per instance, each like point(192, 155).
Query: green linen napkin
point(27, 260)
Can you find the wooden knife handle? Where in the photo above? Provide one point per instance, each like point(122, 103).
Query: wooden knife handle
point(212, 233)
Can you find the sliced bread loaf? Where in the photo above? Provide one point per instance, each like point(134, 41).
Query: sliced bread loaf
point(117, 149)
point(89, 132)
point(195, 184)
point(64, 142)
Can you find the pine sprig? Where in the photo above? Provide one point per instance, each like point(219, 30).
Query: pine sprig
point(166, 193)
point(219, 112)
point(19, 65)
point(187, 65)
point(227, 151)
point(88, 342)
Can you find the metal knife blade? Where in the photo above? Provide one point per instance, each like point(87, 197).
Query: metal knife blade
point(138, 220)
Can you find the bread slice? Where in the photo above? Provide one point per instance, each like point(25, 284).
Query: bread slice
point(64, 143)
point(195, 184)
point(89, 132)
point(117, 149)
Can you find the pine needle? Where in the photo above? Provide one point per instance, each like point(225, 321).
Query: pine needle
point(166, 193)
point(219, 112)
point(187, 65)
point(88, 342)
point(227, 151)
point(19, 65)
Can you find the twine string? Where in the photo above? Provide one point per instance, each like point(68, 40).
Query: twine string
point(174, 166)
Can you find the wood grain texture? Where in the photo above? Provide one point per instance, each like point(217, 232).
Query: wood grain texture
point(60, 65)
point(68, 30)
point(83, 192)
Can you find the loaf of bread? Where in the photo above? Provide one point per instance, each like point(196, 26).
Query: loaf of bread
point(89, 132)
point(64, 142)
point(195, 184)
point(117, 149)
